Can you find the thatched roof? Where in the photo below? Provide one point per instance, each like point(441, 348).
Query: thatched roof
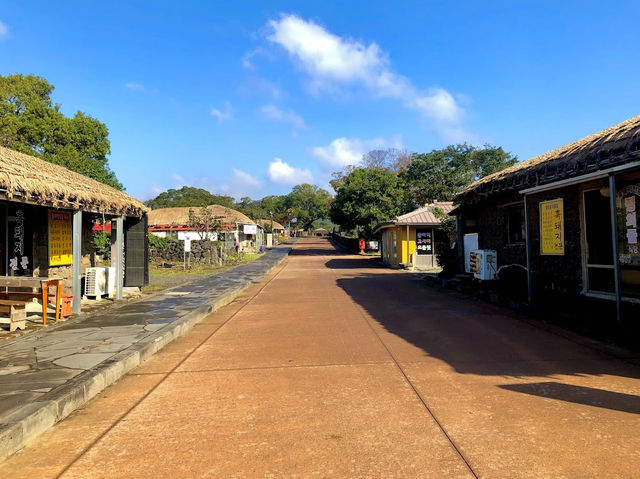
point(179, 216)
point(614, 146)
point(276, 225)
point(27, 179)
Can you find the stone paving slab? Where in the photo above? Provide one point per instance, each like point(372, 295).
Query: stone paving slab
point(46, 375)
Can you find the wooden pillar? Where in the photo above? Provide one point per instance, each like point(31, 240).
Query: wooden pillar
point(527, 235)
point(119, 256)
point(408, 249)
point(614, 238)
point(76, 267)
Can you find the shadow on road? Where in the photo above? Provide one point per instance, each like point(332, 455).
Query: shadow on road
point(580, 395)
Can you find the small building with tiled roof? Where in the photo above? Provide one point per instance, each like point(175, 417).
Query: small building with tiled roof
point(567, 220)
point(420, 227)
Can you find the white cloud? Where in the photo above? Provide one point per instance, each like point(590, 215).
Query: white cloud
point(180, 181)
point(274, 113)
point(4, 29)
point(332, 61)
point(134, 86)
point(285, 174)
point(245, 178)
point(343, 152)
point(222, 115)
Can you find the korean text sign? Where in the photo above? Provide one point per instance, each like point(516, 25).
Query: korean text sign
point(60, 238)
point(552, 227)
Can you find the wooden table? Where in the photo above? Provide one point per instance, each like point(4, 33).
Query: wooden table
point(42, 284)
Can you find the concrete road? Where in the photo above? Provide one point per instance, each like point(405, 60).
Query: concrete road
point(336, 367)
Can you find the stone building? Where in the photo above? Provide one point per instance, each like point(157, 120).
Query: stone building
point(568, 219)
point(47, 213)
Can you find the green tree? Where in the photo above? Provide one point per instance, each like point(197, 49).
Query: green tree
point(188, 196)
point(32, 124)
point(252, 208)
point(308, 203)
point(368, 197)
point(441, 174)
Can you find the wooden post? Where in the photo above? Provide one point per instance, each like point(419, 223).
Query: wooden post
point(407, 264)
point(614, 238)
point(527, 242)
point(119, 256)
point(76, 268)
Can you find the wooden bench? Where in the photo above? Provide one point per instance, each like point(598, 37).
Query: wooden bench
point(42, 285)
point(17, 314)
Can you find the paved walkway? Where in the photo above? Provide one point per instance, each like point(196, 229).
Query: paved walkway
point(334, 367)
point(57, 369)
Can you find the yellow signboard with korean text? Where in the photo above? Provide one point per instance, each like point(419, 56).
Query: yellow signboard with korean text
point(60, 238)
point(552, 227)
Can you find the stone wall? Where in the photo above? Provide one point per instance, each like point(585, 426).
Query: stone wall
point(202, 252)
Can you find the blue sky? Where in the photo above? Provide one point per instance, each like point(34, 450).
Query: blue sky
point(250, 98)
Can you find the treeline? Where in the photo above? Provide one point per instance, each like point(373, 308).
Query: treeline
point(389, 183)
point(308, 204)
point(31, 123)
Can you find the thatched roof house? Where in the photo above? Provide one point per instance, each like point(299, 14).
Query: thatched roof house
point(276, 225)
point(27, 179)
point(607, 148)
point(563, 225)
point(179, 216)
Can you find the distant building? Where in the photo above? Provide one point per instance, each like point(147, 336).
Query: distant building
point(421, 227)
point(278, 229)
point(568, 218)
point(231, 226)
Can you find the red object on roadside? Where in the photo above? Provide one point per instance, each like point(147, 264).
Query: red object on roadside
point(66, 308)
point(361, 244)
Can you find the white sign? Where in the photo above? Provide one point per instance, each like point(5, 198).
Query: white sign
point(250, 229)
point(187, 245)
point(188, 236)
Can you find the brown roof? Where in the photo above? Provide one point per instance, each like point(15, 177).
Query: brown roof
point(424, 216)
point(27, 179)
point(614, 146)
point(179, 216)
point(276, 225)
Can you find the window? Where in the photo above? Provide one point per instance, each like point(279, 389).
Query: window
point(597, 222)
point(514, 216)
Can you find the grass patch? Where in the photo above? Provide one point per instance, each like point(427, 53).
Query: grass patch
point(168, 277)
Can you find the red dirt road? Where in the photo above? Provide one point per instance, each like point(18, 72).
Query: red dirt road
point(336, 367)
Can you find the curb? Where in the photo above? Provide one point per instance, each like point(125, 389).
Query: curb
point(33, 419)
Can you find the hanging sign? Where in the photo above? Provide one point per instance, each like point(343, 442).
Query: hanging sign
point(552, 227)
point(424, 243)
point(250, 229)
point(60, 238)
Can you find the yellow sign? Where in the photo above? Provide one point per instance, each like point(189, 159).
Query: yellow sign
point(60, 238)
point(552, 227)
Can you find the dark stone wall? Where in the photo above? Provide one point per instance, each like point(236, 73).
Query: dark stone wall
point(553, 275)
point(491, 226)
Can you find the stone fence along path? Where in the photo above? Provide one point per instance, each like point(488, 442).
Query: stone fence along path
point(46, 375)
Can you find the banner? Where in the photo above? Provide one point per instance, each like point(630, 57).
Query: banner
point(552, 227)
point(60, 238)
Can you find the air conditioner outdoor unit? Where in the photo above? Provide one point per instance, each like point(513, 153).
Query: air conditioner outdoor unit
point(95, 282)
point(483, 263)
